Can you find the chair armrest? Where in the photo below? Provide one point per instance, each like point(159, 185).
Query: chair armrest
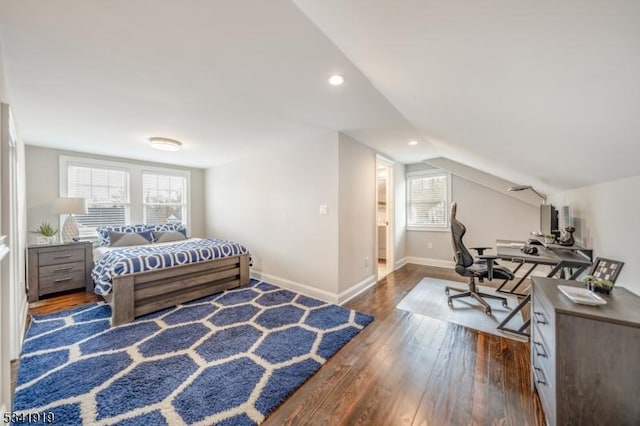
point(489, 261)
point(480, 250)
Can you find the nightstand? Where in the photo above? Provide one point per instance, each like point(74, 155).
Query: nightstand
point(59, 267)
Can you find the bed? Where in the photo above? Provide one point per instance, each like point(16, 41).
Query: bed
point(140, 279)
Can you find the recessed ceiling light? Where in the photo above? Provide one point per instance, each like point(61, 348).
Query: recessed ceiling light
point(336, 80)
point(165, 144)
point(413, 143)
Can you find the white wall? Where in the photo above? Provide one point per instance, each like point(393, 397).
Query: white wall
point(270, 203)
point(357, 213)
point(487, 214)
point(43, 186)
point(606, 217)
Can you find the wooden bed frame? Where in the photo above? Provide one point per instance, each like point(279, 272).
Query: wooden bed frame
point(139, 294)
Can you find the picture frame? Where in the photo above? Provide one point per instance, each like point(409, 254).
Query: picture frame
point(606, 269)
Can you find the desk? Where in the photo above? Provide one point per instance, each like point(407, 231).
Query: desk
point(575, 259)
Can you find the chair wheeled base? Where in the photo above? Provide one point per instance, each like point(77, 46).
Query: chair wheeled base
point(473, 292)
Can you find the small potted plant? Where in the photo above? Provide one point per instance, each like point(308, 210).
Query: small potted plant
point(549, 238)
point(47, 232)
point(598, 285)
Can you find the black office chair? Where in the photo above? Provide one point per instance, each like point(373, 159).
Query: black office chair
point(482, 268)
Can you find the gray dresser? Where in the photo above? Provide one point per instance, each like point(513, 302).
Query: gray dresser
point(585, 360)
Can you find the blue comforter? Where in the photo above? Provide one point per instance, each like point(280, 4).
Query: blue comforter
point(129, 260)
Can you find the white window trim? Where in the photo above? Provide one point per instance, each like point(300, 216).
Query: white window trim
point(428, 173)
point(167, 172)
point(136, 201)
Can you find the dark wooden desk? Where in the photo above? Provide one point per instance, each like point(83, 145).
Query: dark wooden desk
point(566, 261)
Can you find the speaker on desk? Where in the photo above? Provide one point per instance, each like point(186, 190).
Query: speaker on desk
point(548, 219)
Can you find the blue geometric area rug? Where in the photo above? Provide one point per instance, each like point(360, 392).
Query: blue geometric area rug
point(227, 359)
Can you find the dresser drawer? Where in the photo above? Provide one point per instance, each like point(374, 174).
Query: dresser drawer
point(545, 390)
point(61, 269)
point(62, 282)
point(543, 320)
point(543, 355)
point(61, 256)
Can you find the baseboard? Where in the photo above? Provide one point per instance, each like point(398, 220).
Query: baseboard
point(355, 290)
point(297, 287)
point(430, 262)
point(400, 263)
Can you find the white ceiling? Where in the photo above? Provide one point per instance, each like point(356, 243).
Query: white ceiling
point(544, 93)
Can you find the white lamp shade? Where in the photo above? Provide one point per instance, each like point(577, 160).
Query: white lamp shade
point(70, 205)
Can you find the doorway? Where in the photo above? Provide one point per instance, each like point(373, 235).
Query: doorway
point(384, 217)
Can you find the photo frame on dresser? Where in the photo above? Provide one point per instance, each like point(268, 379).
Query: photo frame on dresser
point(606, 269)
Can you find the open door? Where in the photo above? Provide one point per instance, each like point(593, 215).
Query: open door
point(385, 240)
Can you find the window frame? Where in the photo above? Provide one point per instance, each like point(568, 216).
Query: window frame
point(419, 174)
point(135, 171)
point(186, 194)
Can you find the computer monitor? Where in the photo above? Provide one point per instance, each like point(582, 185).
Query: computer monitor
point(548, 219)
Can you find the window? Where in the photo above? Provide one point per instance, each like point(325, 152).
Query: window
point(428, 200)
point(164, 198)
point(121, 193)
point(107, 195)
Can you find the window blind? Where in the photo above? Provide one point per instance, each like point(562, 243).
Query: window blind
point(427, 199)
point(164, 198)
point(107, 195)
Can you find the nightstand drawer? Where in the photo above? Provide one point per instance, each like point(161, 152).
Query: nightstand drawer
point(61, 256)
point(61, 269)
point(62, 282)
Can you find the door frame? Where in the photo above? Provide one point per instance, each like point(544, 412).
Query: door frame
point(382, 161)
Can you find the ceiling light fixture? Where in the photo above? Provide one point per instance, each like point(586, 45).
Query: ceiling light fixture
point(413, 143)
point(165, 144)
point(336, 80)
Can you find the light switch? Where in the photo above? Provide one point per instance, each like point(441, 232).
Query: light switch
point(324, 209)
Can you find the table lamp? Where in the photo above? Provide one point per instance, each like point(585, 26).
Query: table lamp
point(70, 206)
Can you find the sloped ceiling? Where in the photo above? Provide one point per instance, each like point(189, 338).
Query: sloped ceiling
point(227, 78)
point(547, 91)
point(544, 93)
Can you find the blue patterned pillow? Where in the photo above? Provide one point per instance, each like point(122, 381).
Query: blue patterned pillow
point(103, 231)
point(163, 227)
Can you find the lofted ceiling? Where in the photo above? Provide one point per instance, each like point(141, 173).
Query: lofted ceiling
point(544, 93)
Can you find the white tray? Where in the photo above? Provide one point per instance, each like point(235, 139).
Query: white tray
point(582, 296)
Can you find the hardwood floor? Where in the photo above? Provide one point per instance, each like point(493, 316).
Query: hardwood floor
point(405, 368)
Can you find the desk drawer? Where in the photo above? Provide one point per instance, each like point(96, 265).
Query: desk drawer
point(62, 282)
point(61, 256)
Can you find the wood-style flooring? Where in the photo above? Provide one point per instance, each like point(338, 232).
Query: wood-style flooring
point(405, 368)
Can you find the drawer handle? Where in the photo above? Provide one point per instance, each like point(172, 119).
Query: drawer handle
point(541, 346)
point(61, 280)
point(62, 257)
point(63, 269)
point(539, 315)
point(539, 370)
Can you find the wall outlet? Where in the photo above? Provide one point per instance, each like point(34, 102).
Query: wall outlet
point(366, 262)
point(429, 245)
point(324, 209)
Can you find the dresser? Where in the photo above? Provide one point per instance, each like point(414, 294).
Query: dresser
point(59, 267)
point(585, 360)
